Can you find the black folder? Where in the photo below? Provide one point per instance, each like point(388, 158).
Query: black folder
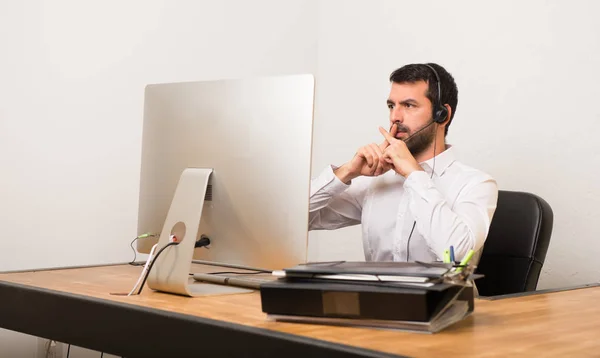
point(298, 297)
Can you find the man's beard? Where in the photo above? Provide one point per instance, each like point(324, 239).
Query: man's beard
point(419, 142)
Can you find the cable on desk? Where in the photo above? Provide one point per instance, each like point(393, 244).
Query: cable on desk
point(239, 273)
point(144, 271)
point(68, 350)
point(203, 242)
point(255, 272)
point(152, 264)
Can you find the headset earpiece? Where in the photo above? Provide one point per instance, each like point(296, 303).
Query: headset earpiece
point(441, 114)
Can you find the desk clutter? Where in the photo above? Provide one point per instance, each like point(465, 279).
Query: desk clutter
point(412, 296)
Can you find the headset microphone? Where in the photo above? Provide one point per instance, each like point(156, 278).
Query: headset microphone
point(439, 115)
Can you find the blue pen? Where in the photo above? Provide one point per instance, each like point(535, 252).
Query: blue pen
point(451, 253)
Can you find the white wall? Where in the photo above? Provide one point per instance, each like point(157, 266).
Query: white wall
point(527, 73)
point(73, 76)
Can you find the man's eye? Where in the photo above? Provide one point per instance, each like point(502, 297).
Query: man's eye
point(408, 105)
point(390, 106)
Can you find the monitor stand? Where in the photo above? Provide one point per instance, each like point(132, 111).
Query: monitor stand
point(170, 272)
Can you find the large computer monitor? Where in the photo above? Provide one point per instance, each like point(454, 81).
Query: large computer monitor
point(255, 136)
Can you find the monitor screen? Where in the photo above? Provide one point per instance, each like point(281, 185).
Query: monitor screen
point(256, 136)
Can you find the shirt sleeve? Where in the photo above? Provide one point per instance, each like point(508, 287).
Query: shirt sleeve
point(464, 225)
point(334, 204)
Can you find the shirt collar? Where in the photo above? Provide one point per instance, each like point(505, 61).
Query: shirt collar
point(442, 161)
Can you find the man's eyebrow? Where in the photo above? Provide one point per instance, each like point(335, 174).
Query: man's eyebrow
point(406, 101)
point(409, 101)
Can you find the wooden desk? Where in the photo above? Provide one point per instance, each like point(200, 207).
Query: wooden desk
point(75, 306)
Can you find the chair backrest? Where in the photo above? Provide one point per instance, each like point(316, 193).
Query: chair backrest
point(516, 246)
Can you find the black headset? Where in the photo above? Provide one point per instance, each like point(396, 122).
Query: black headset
point(440, 112)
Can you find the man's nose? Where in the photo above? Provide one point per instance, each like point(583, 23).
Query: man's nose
point(396, 116)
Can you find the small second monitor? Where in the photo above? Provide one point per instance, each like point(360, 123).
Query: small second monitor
point(256, 135)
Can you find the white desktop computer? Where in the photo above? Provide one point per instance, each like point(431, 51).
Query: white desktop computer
point(229, 160)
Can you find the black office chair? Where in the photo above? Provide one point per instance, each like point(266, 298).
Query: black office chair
point(516, 246)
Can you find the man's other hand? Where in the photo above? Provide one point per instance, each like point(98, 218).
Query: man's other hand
point(398, 155)
point(368, 161)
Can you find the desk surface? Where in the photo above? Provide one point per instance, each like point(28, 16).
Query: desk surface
point(561, 323)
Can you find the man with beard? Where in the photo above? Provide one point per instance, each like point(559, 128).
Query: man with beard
point(413, 198)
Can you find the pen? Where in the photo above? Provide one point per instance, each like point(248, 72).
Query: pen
point(231, 281)
point(466, 260)
point(451, 253)
point(446, 256)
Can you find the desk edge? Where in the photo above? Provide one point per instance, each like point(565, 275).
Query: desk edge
point(54, 314)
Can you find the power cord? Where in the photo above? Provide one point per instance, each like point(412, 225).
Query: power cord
point(204, 241)
point(48, 346)
point(147, 272)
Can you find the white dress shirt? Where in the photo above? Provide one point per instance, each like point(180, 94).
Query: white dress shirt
point(454, 207)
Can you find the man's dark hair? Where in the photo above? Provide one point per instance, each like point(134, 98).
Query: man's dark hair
point(418, 72)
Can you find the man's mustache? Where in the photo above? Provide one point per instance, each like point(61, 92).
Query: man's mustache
point(400, 128)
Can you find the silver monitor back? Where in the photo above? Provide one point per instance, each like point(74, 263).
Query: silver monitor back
point(256, 135)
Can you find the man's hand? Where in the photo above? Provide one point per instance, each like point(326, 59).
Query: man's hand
point(368, 161)
point(398, 155)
